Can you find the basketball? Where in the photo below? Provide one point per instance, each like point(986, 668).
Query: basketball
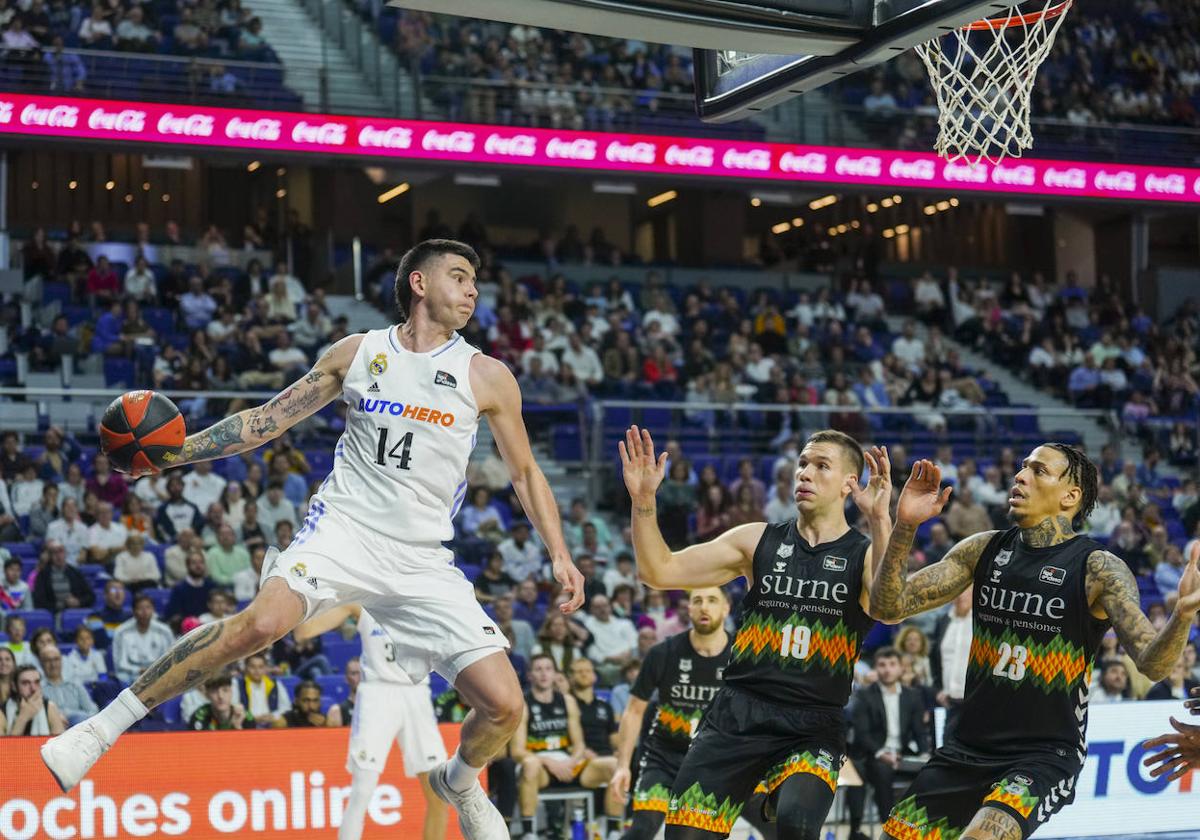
point(141, 433)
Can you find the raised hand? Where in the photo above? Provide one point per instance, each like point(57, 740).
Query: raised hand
point(643, 472)
point(1189, 584)
point(922, 497)
point(1178, 752)
point(875, 498)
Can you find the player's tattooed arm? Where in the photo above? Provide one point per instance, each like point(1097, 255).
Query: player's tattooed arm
point(253, 427)
point(993, 824)
point(1112, 588)
point(896, 595)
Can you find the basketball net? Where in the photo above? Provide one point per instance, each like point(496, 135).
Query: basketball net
point(983, 75)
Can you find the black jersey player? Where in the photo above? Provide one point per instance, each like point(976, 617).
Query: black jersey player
point(779, 717)
point(1043, 597)
point(679, 676)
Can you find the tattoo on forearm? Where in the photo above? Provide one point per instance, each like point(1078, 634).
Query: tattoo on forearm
point(215, 441)
point(1050, 531)
point(888, 587)
point(896, 595)
point(645, 510)
point(1153, 652)
point(993, 824)
point(262, 423)
point(313, 376)
point(191, 644)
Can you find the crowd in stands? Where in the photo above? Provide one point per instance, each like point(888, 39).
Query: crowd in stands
point(102, 574)
point(493, 72)
point(1112, 62)
point(47, 44)
point(1090, 346)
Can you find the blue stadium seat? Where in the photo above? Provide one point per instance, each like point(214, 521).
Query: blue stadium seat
point(35, 620)
point(118, 373)
point(340, 652)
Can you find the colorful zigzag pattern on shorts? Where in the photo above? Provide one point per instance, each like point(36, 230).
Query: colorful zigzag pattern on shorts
point(1015, 795)
point(909, 821)
point(804, 762)
point(1056, 665)
point(656, 798)
point(833, 648)
point(697, 809)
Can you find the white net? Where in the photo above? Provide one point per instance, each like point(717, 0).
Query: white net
point(983, 77)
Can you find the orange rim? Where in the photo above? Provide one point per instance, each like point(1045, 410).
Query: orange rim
point(1019, 20)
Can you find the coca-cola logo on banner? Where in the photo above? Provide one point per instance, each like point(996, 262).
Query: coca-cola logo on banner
point(965, 173)
point(395, 137)
point(1065, 179)
point(693, 157)
point(126, 120)
point(320, 134)
point(59, 116)
point(618, 152)
point(913, 170)
point(758, 160)
point(519, 145)
point(810, 163)
point(866, 166)
point(581, 148)
point(1022, 175)
point(1168, 184)
point(192, 125)
point(1123, 181)
point(260, 129)
point(6, 112)
point(462, 142)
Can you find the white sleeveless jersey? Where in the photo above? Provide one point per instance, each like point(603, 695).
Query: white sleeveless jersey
point(378, 656)
point(400, 467)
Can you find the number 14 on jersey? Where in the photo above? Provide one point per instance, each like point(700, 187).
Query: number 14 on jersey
point(401, 451)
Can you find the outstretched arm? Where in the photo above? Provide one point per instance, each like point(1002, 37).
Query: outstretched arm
point(253, 427)
point(499, 398)
point(1112, 588)
point(896, 595)
point(331, 620)
point(713, 563)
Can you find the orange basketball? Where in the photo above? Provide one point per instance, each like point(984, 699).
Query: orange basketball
point(142, 433)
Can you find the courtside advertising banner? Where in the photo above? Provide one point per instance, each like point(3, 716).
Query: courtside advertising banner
point(1115, 794)
point(181, 125)
point(271, 783)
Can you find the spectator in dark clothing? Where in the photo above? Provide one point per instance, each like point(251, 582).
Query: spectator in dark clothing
point(12, 460)
point(176, 513)
point(60, 586)
point(189, 597)
point(493, 581)
point(881, 739)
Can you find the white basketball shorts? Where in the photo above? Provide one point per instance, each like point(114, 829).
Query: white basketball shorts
point(419, 597)
point(387, 712)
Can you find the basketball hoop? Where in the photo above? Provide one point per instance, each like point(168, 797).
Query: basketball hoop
point(983, 75)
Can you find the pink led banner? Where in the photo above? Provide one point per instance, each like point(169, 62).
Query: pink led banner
point(266, 131)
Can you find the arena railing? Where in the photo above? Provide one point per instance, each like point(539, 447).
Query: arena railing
point(721, 432)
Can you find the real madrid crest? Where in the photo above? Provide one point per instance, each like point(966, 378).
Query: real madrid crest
point(378, 364)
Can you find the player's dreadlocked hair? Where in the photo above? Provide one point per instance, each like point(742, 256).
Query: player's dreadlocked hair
point(417, 257)
point(1081, 471)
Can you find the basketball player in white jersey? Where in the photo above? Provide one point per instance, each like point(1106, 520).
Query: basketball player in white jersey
point(390, 707)
point(374, 532)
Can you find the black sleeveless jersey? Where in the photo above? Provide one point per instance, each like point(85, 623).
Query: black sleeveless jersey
point(547, 730)
point(1033, 645)
point(683, 682)
point(800, 624)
